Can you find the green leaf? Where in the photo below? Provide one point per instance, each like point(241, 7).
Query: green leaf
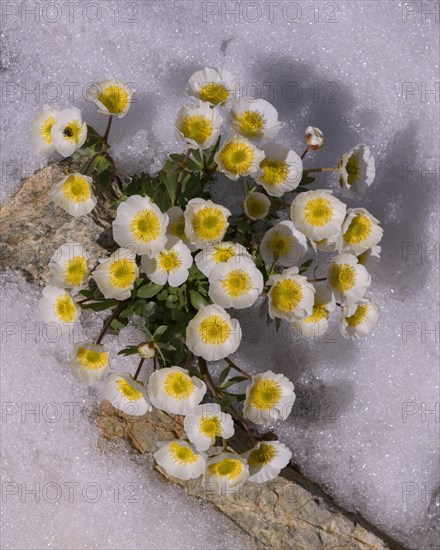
point(130, 350)
point(305, 266)
point(159, 331)
point(197, 300)
point(232, 381)
point(224, 374)
point(149, 290)
point(100, 306)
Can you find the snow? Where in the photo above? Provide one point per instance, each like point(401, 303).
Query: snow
point(363, 71)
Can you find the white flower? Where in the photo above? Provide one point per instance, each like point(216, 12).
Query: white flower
point(176, 226)
point(170, 265)
point(179, 459)
point(236, 283)
point(91, 362)
point(238, 157)
point(174, 391)
point(255, 119)
point(115, 276)
point(112, 97)
point(256, 206)
point(281, 170)
point(356, 172)
point(314, 138)
point(318, 214)
point(39, 136)
point(359, 319)
point(199, 126)
point(291, 296)
point(206, 422)
point(205, 222)
point(225, 473)
point(57, 306)
point(74, 195)
point(140, 226)
point(215, 86)
point(127, 395)
point(214, 254)
point(269, 398)
point(147, 350)
point(360, 231)
point(325, 245)
point(370, 258)
point(212, 334)
point(68, 266)
point(283, 243)
point(69, 131)
point(266, 460)
point(317, 323)
point(348, 279)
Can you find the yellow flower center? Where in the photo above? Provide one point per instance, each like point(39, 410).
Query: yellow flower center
point(318, 212)
point(223, 253)
point(127, 390)
point(255, 207)
point(262, 456)
point(114, 98)
point(342, 277)
point(75, 270)
point(169, 261)
point(286, 295)
point(92, 360)
point(358, 316)
point(45, 129)
point(279, 245)
point(210, 426)
point(319, 312)
point(181, 453)
point(196, 127)
point(76, 189)
point(353, 169)
point(209, 224)
point(145, 226)
point(237, 283)
point(213, 93)
point(214, 330)
point(64, 308)
point(178, 229)
point(250, 123)
point(264, 394)
point(228, 467)
point(122, 273)
point(236, 157)
point(274, 171)
point(72, 131)
point(178, 385)
point(358, 230)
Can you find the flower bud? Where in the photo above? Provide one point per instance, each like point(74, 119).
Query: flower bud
point(147, 350)
point(314, 138)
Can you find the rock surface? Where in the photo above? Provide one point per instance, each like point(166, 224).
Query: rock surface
point(284, 514)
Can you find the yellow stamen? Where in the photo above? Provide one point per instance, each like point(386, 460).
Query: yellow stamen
point(168, 261)
point(274, 171)
point(122, 273)
point(353, 167)
point(228, 467)
point(76, 189)
point(92, 360)
point(213, 93)
point(250, 123)
point(358, 230)
point(262, 456)
point(196, 127)
point(178, 385)
point(75, 270)
point(209, 224)
point(255, 206)
point(178, 229)
point(181, 453)
point(72, 131)
point(264, 394)
point(214, 330)
point(145, 226)
point(318, 212)
point(237, 283)
point(342, 277)
point(358, 316)
point(236, 157)
point(319, 312)
point(114, 98)
point(45, 129)
point(223, 253)
point(64, 308)
point(279, 245)
point(210, 426)
point(286, 295)
point(127, 390)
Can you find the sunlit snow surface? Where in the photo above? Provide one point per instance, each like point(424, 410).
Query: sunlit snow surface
point(362, 71)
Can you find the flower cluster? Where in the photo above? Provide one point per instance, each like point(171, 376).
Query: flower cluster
point(184, 265)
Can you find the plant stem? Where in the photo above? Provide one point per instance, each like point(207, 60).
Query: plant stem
point(141, 362)
point(188, 360)
point(89, 163)
point(317, 280)
point(305, 153)
point(203, 366)
point(154, 363)
point(107, 324)
point(243, 423)
point(107, 130)
point(238, 369)
point(320, 170)
point(181, 176)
